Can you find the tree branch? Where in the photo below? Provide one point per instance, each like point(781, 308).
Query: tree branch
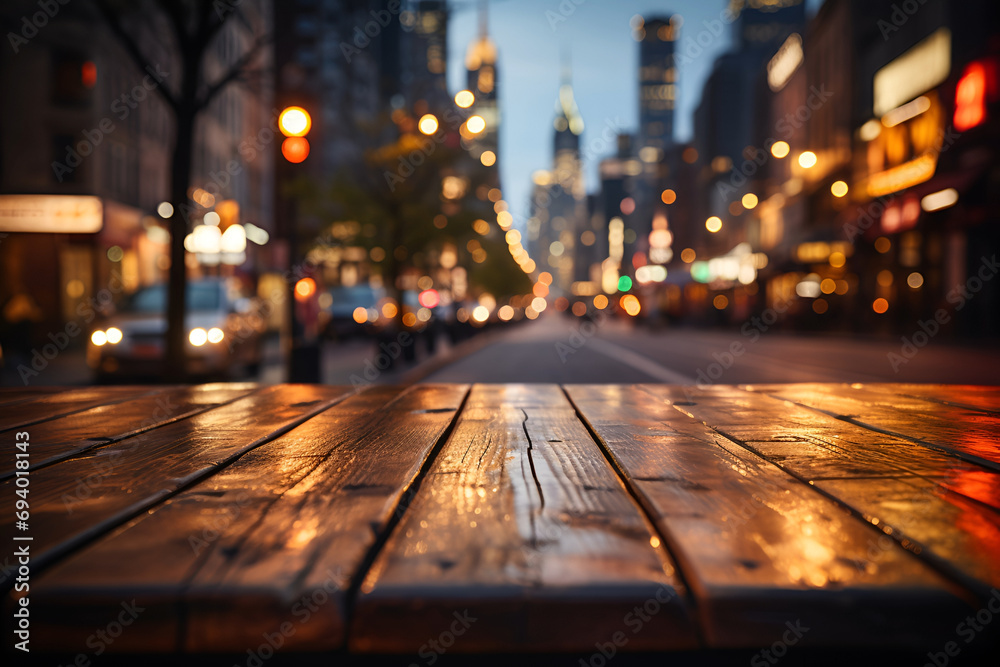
point(238, 69)
point(113, 19)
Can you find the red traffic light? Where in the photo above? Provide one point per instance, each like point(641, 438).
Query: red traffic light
point(295, 149)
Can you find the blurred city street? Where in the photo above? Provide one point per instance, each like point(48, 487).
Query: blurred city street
point(553, 349)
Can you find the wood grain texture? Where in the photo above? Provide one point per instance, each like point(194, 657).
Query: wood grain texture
point(522, 525)
point(62, 437)
point(758, 548)
point(82, 498)
point(971, 397)
point(269, 545)
point(970, 435)
point(52, 406)
point(13, 395)
point(886, 480)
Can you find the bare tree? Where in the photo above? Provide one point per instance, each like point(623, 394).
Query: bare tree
point(193, 27)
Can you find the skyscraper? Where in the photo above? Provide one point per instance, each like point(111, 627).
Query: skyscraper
point(657, 82)
point(483, 82)
point(428, 55)
point(561, 205)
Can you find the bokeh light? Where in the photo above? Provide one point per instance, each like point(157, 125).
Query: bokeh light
point(475, 124)
point(630, 304)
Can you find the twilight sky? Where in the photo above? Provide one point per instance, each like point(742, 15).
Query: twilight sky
point(605, 76)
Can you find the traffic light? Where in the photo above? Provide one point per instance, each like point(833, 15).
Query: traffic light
point(295, 123)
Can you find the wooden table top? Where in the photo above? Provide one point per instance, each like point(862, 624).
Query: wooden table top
point(516, 517)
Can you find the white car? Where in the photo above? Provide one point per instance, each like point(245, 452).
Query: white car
point(221, 338)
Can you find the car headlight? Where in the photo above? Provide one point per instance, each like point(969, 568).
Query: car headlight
point(114, 335)
point(98, 338)
point(198, 337)
point(215, 335)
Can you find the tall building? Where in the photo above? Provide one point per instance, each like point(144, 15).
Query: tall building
point(657, 82)
point(427, 57)
point(764, 26)
point(483, 82)
point(560, 202)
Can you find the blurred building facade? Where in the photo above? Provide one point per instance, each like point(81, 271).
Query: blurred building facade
point(844, 168)
point(74, 73)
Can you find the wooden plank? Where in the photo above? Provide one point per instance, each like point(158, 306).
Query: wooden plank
point(63, 437)
point(242, 553)
point(13, 395)
point(929, 515)
point(67, 402)
point(970, 397)
point(758, 547)
point(522, 525)
point(77, 500)
point(974, 436)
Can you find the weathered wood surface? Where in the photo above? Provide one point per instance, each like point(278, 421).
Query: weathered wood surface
point(62, 437)
point(84, 497)
point(971, 435)
point(557, 518)
point(523, 526)
point(45, 406)
point(904, 489)
point(277, 537)
point(758, 547)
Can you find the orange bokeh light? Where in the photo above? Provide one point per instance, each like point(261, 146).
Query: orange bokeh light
point(305, 288)
point(295, 149)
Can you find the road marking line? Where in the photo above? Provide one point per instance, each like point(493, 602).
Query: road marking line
point(638, 362)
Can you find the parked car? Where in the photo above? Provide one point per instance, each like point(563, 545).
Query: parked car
point(221, 336)
point(342, 320)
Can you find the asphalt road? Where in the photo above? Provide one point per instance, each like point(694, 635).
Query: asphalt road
point(556, 348)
